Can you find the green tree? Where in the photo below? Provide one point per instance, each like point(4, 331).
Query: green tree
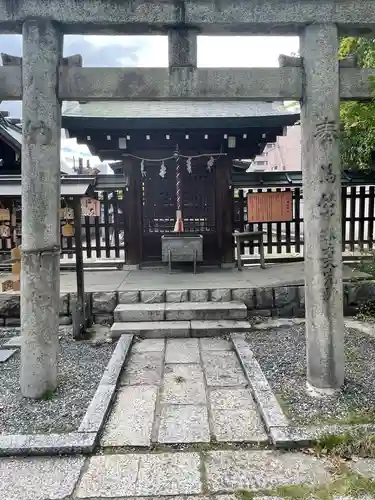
point(358, 118)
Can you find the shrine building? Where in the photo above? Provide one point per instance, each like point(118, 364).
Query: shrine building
point(147, 139)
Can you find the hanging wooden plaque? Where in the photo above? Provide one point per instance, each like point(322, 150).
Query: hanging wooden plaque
point(270, 207)
point(4, 231)
point(67, 230)
point(67, 213)
point(4, 214)
point(90, 207)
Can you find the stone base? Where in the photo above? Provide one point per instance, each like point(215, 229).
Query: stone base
point(282, 301)
point(317, 392)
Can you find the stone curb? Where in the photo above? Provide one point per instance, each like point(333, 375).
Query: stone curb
point(47, 444)
point(297, 436)
point(96, 413)
point(84, 440)
point(268, 406)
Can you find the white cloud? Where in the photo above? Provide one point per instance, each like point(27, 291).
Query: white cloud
point(255, 51)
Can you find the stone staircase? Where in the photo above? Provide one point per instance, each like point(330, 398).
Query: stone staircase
point(183, 319)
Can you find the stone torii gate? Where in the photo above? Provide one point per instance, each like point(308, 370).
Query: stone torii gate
point(317, 80)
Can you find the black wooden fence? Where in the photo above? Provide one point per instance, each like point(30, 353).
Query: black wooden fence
point(286, 238)
point(103, 237)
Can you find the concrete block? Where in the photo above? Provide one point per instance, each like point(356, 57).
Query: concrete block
point(129, 297)
point(177, 296)
point(221, 295)
point(199, 295)
point(264, 298)
point(153, 297)
point(285, 296)
point(104, 302)
point(139, 312)
point(246, 295)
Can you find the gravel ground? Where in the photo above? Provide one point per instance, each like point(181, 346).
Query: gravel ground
point(281, 354)
point(81, 366)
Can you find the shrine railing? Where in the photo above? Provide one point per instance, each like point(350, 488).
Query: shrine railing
point(285, 239)
point(103, 237)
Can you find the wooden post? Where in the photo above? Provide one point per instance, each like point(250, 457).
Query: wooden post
point(133, 214)
point(224, 211)
point(79, 310)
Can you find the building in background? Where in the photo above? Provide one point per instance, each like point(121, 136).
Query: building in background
point(282, 155)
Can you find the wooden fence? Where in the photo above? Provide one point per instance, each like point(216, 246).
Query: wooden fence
point(103, 237)
point(286, 238)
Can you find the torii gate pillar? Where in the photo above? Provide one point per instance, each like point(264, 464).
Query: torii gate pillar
point(40, 254)
point(320, 118)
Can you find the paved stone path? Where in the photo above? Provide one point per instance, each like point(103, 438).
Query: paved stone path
point(183, 391)
point(155, 475)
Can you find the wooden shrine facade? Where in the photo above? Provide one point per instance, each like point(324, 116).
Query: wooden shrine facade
point(208, 136)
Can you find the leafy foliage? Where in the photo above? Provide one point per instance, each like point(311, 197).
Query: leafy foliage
point(357, 118)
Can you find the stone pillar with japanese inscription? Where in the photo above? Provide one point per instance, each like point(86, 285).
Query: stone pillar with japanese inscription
point(40, 254)
point(320, 108)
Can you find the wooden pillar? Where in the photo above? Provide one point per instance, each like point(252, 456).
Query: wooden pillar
point(40, 270)
point(224, 211)
point(133, 213)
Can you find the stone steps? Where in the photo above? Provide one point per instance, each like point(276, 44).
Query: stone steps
point(183, 311)
point(194, 328)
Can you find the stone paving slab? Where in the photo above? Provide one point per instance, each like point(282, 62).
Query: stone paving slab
point(111, 476)
point(184, 424)
point(215, 344)
point(151, 329)
point(39, 478)
point(149, 345)
point(143, 368)
point(183, 384)
point(364, 466)
point(6, 354)
point(231, 399)
point(242, 425)
point(223, 370)
point(182, 351)
point(218, 328)
point(139, 312)
point(205, 311)
point(232, 470)
point(131, 419)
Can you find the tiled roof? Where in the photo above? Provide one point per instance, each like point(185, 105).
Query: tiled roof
point(174, 109)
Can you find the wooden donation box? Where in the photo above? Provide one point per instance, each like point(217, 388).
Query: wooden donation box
point(270, 207)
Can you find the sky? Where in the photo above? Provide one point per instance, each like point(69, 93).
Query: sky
point(152, 51)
